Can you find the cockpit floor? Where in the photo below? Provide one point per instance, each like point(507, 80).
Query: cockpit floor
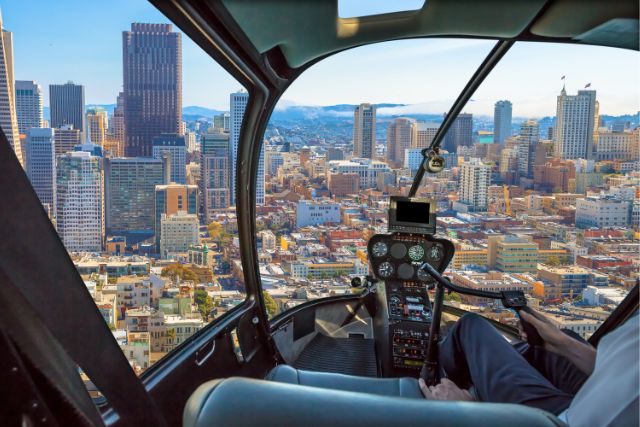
point(352, 356)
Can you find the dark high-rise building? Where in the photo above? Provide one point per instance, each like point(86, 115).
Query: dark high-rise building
point(67, 106)
point(364, 131)
point(66, 138)
point(152, 75)
point(130, 185)
point(460, 134)
point(501, 121)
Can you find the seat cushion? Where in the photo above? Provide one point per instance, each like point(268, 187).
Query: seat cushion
point(244, 402)
point(399, 387)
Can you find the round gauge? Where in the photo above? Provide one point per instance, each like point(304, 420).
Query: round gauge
point(435, 253)
point(405, 271)
point(398, 250)
point(379, 249)
point(416, 252)
point(385, 270)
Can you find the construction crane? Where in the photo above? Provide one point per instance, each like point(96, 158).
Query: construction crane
point(507, 200)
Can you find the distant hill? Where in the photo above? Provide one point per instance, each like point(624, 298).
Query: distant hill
point(338, 113)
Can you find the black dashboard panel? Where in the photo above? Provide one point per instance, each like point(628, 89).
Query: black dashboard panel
point(396, 259)
point(398, 256)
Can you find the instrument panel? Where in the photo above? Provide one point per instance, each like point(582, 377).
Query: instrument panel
point(396, 259)
point(399, 256)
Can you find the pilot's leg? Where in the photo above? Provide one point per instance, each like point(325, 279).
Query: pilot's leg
point(558, 370)
point(475, 353)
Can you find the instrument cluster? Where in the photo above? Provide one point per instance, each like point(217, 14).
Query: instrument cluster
point(399, 256)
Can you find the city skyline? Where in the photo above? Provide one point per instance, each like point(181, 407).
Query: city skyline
point(206, 84)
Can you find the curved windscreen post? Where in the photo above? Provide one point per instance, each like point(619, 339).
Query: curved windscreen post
point(496, 54)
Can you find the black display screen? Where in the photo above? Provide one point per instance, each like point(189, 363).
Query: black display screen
point(410, 211)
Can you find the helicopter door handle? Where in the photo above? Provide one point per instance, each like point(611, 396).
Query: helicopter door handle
point(204, 353)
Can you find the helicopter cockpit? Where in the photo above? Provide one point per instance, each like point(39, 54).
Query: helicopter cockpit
point(218, 271)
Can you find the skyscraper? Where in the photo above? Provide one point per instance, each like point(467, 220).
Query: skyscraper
point(97, 125)
point(215, 172)
point(475, 178)
point(152, 69)
point(422, 134)
point(66, 102)
point(364, 131)
point(460, 134)
point(8, 117)
point(222, 121)
point(28, 105)
point(501, 121)
point(177, 149)
point(171, 199)
point(41, 164)
point(79, 202)
point(130, 185)
point(116, 124)
point(575, 116)
point(238, 105)
point(398, 139)
point(527, 146)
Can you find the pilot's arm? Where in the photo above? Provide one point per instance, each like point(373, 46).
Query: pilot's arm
point(581, 354)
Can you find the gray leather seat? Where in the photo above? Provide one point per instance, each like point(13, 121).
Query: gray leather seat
point(244, 402)
point(399, 387)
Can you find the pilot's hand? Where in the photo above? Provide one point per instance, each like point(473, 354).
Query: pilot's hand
point(554, 339)
point(446, 390)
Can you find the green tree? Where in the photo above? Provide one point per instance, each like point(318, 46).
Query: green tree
point(204, 302)
point(178, 271)
point(452, 296)
point(218, 234)
point(270, 304)
point(553, 261)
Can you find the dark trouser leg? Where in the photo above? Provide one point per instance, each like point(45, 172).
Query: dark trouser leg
point(563, 374)
point(474, 353)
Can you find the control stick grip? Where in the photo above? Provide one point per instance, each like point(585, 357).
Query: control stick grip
point(533, 337)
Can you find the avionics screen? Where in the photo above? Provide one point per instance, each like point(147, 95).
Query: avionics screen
point(414, 212)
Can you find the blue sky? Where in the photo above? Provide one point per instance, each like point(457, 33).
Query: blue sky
point(81, 40)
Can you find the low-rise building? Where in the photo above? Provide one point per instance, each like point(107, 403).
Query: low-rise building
point(317, 212)
point(602, 212)
point(571, 279)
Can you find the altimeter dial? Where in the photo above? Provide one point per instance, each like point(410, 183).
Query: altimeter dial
point(385, 270)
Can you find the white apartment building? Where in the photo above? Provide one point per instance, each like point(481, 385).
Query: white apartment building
point(475, 178)
point(316, 213)
point(178, 329)
point(575, 118)
point(617, 145)
point(79, 202)
point(602, 212)
point(178, 232)
point(367, 169)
